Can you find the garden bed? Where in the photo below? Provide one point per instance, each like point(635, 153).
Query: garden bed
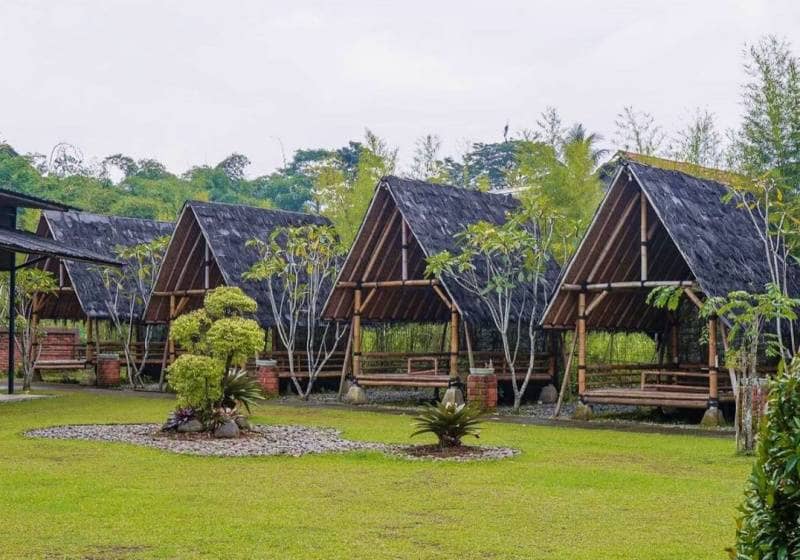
point(262, 440)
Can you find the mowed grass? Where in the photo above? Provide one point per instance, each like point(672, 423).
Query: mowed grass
point(570, 494)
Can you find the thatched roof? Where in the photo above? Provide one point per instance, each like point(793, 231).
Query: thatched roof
point(224, 229)
point(695, 235)
point(87, 295)
point(434, 215)
point(18, 241)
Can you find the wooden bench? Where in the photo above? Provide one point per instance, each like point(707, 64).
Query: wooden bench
point(403, 380)
point(60, 365)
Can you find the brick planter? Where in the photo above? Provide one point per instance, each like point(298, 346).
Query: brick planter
point(267, 374)
point(108, 367)
point(482, 389)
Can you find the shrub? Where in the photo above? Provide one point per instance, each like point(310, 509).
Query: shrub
point(197, 380)
point(228, 302)
point(235, 339)
point(238, 387)
point(449, 423)
point(770, 524)
point(189, 331)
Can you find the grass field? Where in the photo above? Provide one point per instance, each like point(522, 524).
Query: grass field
point(570, 494)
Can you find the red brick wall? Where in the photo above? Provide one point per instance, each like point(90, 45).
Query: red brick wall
point(482, 390)
point(59, 344)
point(268, 378)
point(108, 371)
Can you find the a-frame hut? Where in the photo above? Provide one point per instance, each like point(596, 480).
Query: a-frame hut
point(382, 283)
point(209, 249)
point(658, 225)
point(81, 294)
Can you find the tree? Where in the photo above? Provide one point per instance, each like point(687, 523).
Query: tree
point(699, 142)
point(300, 265)
point(769, 527)
point(127, 289)
point(32, 284)
point(505, 268)
point(218, 339)
point(426, 165)
point(769, 138)
point(637, 131)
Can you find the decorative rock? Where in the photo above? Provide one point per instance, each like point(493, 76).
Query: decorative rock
point(243, 423)
point(356, 395)
point(191, 426)
point(227, 430)
point(453, 395)
point(549, 394)
point(582, 412)
point(712, 418)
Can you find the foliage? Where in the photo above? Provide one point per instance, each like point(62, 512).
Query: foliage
point(699, 142)
point(300, 265)
point(637, 131)
point(197, 380)
point(217, 338)
point(228, 302)
point(239, 387)
point(769, 528)
point(665, 297)
point(450, 423)
point(177, 417)
point(501, 265)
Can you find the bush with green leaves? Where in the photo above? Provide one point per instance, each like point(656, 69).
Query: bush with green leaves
point(769, 528)
point(450, 423)
point(219, 339)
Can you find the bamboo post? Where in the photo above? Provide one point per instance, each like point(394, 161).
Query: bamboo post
point(453, 342)
point(713, 374)
point(171, 343)
point(674, 350)
point(404, 248)
point(345, 362)
point(357, 333)
point(206, 264)
point(581, 344)
point(565, 382)
point(643, 234)
point(468, 340)
point(89, 341)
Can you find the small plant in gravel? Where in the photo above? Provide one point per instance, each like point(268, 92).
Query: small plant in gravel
point(219, 339)
point(178, 417)
point(450, 423)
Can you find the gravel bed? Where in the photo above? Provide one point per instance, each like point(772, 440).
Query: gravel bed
point(261, 441)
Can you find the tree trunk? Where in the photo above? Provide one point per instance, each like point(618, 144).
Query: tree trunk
point(751, 401)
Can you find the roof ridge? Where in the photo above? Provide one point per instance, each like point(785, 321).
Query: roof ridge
point(239, 205)
point(388, 178)
point(113, 216)
point(729, 179)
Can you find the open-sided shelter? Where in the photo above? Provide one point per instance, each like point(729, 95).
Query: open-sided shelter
point(658, 226)
point(209, 249)
point(82, 294)
point(383, 282)
point(14, 242)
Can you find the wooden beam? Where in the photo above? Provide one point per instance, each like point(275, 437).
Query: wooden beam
point(628, 285)
point(453, 342)
point(597, 300)
point(404, 248)
point(357, 333)
point(171, 342)
point(367, 299)
point(379, 247)
point(643, 234)
point(612, 239)
point(206, 266)
point(194, 292)
point(416, 283)
point(713, 362)
point(693, 297)
point(439, 292)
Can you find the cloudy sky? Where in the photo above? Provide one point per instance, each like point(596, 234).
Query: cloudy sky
point(190, 82)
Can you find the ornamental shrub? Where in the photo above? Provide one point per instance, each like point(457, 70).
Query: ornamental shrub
point(449, 423)
point(189, 331)
point(234, 340)
point(228, 302)
point(197, 380)
point(769, 528)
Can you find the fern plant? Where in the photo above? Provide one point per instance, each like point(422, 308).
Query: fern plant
point(449, 423)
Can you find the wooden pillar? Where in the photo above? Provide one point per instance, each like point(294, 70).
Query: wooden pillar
point(170, 342)
point(453, 342)
point(581, 343)
point(713, 366)
point(674, 346)
point(89, 340)
point(552, 345)
point(643, 234)
point(206, 265)
point(404, 248)
point(357, 332)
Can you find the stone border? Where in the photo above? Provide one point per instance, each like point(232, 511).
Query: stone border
point(263, 440)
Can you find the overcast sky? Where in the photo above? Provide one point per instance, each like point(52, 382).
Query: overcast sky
point(190, 82)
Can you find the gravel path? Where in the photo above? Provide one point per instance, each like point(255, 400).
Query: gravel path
point(262, 441)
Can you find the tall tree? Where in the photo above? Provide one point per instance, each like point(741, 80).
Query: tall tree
point(637, 131)
point(426, 164)
point(699, 142)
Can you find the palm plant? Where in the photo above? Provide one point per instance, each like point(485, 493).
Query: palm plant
point(449, 423)
point(239, 387)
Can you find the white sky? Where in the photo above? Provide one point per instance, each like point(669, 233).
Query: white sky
point(190, 82)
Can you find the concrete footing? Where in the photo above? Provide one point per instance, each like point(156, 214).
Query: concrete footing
point(355, 395)
point(549, 394)
point(713, 417)
point(453, 395)
point(583, 412)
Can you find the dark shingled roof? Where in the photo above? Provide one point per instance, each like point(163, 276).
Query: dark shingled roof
point(99, 234)
point(11, 197)
point(228, 227)
point(718, 240)
point(435, 215)
point(20, 241)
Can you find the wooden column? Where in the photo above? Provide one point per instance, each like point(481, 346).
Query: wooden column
point(171, 343)
point(713, 366)
point(674, 347)
point(89, 340)
point(404, 248)
point(357, 332)
point(643, 234)
point(453, 342)
point(581, 343)
point(206, 265)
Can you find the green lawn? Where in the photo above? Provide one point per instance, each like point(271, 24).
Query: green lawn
point(570, 494)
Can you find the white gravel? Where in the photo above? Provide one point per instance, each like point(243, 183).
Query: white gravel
point(262, 441)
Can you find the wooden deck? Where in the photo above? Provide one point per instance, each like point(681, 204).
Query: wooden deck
point(653, 396)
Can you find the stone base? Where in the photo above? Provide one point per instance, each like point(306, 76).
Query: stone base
point(355, 395)
point(712, 418)
point(453, 395)
point(583, 412)
point(549, 394)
